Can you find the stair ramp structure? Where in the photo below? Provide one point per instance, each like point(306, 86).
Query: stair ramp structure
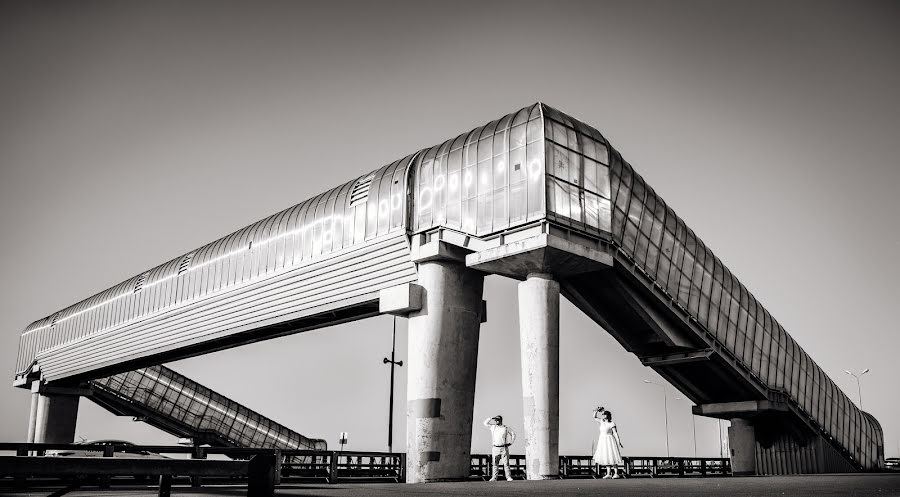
point(165, 399)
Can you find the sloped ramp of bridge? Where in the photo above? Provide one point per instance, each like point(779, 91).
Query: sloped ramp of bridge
point(174, 403)
point(668, 299)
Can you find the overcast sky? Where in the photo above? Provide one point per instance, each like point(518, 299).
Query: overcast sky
point(131, 133)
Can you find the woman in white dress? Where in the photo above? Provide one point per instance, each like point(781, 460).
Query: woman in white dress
point(608, 444)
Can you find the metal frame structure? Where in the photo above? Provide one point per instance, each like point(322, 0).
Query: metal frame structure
point(535, 174)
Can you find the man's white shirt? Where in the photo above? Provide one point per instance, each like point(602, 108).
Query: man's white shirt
point(501, 435)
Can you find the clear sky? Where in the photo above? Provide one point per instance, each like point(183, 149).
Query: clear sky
point(131, 133)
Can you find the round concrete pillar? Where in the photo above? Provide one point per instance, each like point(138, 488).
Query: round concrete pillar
point(32, 416)
point(742, 440)
point(55, 418)
point(539, 336)
point(443, 355)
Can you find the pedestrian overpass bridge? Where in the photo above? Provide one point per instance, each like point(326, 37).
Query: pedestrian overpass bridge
point(536, 195)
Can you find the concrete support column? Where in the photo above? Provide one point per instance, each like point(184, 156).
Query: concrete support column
point(32, 415)
point(742, 440)
point(55, 418)
point(443, 355)
point(539, 336)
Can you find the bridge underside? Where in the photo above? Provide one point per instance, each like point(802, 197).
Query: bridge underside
point(773, 436)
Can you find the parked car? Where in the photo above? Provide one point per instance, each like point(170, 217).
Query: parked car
point(892, 463)
point(127, 452)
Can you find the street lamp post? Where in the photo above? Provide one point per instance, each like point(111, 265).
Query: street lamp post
point(393, 363)
point(694, 432)
point(858, 389)
point(721, 441)
point(666, 409)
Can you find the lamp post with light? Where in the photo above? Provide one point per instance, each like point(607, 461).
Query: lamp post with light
point(393, 363)
point(858, 389)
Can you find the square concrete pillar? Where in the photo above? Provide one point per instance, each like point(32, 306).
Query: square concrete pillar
point(742, 440)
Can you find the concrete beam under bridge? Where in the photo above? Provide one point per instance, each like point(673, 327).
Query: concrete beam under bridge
point(743, 409)
point(677, 358)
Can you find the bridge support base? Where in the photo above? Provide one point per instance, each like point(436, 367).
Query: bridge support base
point(55, 417)
point(742, 440)
point(539, 335)
point(443, 355)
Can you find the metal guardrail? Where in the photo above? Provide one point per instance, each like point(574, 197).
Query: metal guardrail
point(304, 465)
point(259, 472)
point(677, 466)
point(343, 466)
point(290, 465)
point(480, 467)
point(584, 467)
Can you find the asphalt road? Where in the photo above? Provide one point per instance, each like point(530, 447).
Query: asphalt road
point(881, 485)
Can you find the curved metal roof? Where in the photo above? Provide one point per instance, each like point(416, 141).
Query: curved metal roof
point(276, 242)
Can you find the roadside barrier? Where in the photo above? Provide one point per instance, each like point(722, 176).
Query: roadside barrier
point(263, 469)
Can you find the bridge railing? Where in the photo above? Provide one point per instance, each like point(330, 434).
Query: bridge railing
point(291, 465)
point(334, 466)
point(345, 466)
point(480, 467)
point(677, 466)
point(584, 467)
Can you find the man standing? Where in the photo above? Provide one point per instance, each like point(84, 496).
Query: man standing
point(502, 437)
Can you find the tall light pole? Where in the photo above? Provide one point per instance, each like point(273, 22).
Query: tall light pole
point(858, 389)
point(666, 408)
point(393, 363)
point(721, 441)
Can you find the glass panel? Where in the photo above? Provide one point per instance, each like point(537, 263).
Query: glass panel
point(484, 178)
point(517, 136)
point(560, 135)
point(501, 214)
point(485, 149)
point(534, 130)
point(591, 212)
point(590, 175)
point(397, 201)
point(575, 170)
point(662, 271)
point(424, 196)
point(384, 209)
point(517, 180)
point(559, 158)
point(559, 196)
point(604, 215)
point(535, 158)
point(603, 181)
point(454, 166)
point(439, 209)
point(501, 146)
